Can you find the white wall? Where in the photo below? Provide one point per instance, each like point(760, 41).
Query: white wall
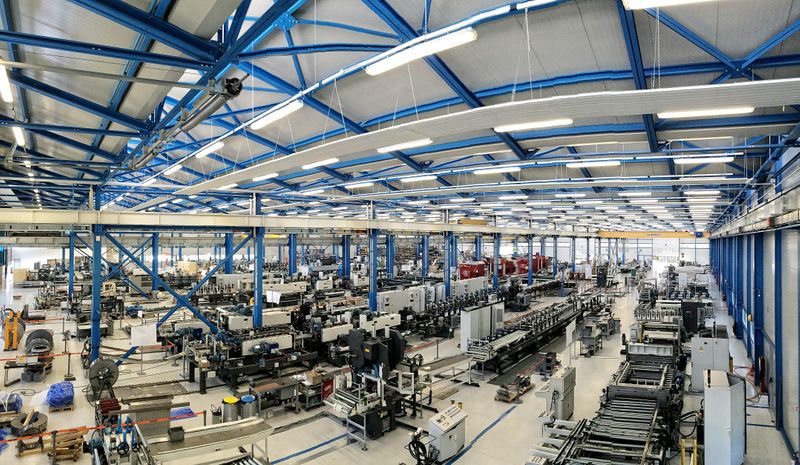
point(25, 257)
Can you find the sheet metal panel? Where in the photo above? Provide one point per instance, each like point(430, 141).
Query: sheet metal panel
point(789, 329)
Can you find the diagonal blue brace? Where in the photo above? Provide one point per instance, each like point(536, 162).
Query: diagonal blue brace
point(159, 282)
point(211, 272)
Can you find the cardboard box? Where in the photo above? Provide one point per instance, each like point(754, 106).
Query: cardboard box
point(472, 222)
point(20, 275)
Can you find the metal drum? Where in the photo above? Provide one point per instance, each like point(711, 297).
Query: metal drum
point(216, 415)
point(230, 409)
point(247, 406)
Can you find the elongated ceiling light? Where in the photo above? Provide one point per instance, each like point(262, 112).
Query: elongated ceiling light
point(513, 197)
point(533, 3)
point(172, 169)
point(423, 49)
point(570, 196)
point(593, 164)
point(419, 202)
point(634, 194)
point(273, 115)
point(359, 185)
point(642, 4)
point(210, 148)
point(405, 145)
point(228, 186)
point(462, 200)
point(5, 86)
point(687, 114)
point(317, 164)
point(265, 177)
point(701, 192)
point(702, 160)
point(424, 177)
point(544, 124)
point(498, 170)
point(19, 136)
point(313, 192)
point(149, 181)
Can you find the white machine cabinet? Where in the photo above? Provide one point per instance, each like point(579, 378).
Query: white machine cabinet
point(448, 429)
point(724, 419)
point(708, 353)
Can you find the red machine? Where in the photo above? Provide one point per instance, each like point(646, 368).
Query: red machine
point(467, 270)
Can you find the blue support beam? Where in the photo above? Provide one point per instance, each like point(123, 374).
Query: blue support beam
point(496, 262)
point(530, 260)
point(555, 256)
point(478, 247)
point(228, 251)
point(448, 264)
point(344, 272)
point(71, 277)
point(778, 319)
point(294, 50)
point(390, 253)
point(425, 258)
point(574, 255)
point(749, 295)
point(155, 253)
point(54, 43)
point(97, 285)
point(373, 269)
point(258, 268)
point(739, 286)
point(292, 252)
point(203, 281)
point(161, 30)
point(454, 255)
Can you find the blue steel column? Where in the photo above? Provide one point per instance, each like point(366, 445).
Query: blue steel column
point(530, 260)
point(390, 256)
point(258, 269)
point(97, 284)
point(425, 246)
point(609, 251)
point(171, 255)
point(454, 256)
point(71, 279)
point(345, 270)
point(779, 328)
point(63, 257)
point(448, 263)
point(155, 261)
point(555, 256)
point(496, 271)
point(574, 253)
point(478, 247)
point(373, 270)
point(739, 285)
point(280, 254)
point(758, 301)
point(228, 249)
point(542, 244)
point(180, 253)
point(624, 246)
point(637, 249)
point(292, 246)
point(748, 291)
point(588, 255)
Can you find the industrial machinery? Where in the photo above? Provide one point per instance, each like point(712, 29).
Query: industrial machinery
point(13, 329)
point(710, 351)
point(445, 438)
point(724, 400)
point(559, 394)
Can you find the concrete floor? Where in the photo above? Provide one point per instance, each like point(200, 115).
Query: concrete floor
point(496, 432)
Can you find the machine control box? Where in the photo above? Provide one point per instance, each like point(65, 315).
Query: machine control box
point(448, 429)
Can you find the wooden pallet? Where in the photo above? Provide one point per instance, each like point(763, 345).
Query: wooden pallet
point(68, 446)
point(68, 408)
point(508, 393)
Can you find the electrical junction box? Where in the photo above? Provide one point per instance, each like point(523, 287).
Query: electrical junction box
point(724, 403)
point(448, 429)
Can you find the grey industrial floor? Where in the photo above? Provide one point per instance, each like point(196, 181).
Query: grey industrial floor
point(497, 433)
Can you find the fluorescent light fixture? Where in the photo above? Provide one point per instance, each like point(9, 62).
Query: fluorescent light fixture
point(569, 196)
point(359, 185)
point(718, 177)
point(544, 124)
point(19, 136)
point(313, 192)
point(594, 164)
point(701, 192)
point(30, 174)
point(178, 201)
point(589, 202)
point(634, 194)
point(498, 170)
point(228, 186)
point(642, 4)
point(419, 202)
point(149, 181)
point(405, 145)
point(643, 201)
point(210, 148)
point(513, 197)
point(317, 164)
point(424, 177)
point(533, 3)
point(703, 199)
point(422, 49)
point(275, 114)
point(687, 114)
point(172, 169)
point(5, 86)
point(538, 203)
point(462, 200)
point(265, 177)
point(702, 160)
